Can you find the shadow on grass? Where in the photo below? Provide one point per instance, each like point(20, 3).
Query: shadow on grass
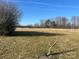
point(34, 33)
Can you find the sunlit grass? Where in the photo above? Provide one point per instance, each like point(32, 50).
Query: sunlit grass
point(20, 47)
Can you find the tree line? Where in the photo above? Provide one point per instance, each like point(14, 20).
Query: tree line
point(10, 15)
point(58, 22)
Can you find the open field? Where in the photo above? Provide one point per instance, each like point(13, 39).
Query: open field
point(26, 43)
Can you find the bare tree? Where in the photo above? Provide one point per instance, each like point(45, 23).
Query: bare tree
point(42, 23)
point(75, 21)
point(61, 21)
point(48, 23)
point(53, 24)
point(9, 15)
point(36, 25)
point(69, 25)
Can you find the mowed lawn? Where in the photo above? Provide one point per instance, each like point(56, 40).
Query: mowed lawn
point(26, 43)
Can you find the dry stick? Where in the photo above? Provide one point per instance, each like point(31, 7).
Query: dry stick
point(49, 52)
point(61, 52)
point(56, 53)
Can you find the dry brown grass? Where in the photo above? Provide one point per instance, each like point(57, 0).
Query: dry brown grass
point(27, 46)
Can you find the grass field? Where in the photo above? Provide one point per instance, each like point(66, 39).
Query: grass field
point(26, 43)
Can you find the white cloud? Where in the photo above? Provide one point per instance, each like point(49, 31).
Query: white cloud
point(46, 4)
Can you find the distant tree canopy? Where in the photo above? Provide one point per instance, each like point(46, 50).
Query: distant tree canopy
point(9, 15)
point(59, 22)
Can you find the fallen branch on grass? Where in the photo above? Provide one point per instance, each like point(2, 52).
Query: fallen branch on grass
point(51, 53)
point(61, 52)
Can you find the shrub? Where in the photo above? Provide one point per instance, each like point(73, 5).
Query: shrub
point(9, 15)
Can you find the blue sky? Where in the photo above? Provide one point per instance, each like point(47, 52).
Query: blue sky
point(35, 10)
